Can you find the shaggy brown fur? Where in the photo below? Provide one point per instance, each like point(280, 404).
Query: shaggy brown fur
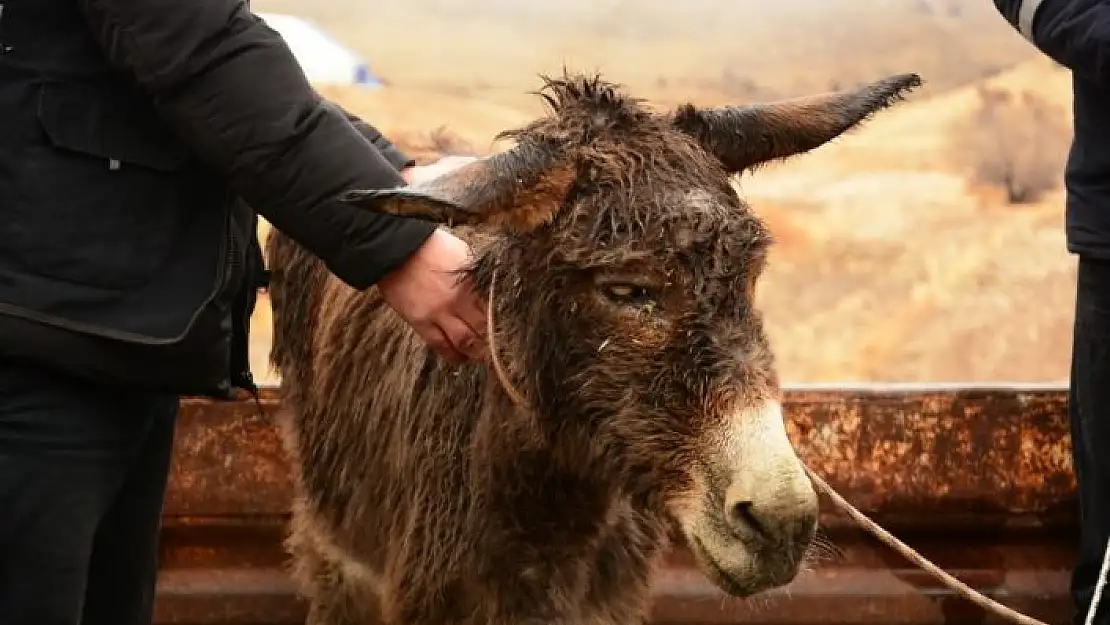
point(626, 267)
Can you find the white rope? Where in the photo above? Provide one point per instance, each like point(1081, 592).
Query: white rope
point(1100, 585)
point(910, 554)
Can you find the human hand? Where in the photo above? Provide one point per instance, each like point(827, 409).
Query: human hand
point(440, 305)
point(424, 173)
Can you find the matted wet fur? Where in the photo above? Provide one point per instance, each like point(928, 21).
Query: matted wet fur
point(626, 269)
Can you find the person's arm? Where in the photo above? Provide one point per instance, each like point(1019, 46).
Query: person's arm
point(236, 95)
point(1074, 33)
point(392, 153)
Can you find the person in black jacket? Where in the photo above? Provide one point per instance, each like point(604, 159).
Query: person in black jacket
point(137, 140)
point(1076, 34)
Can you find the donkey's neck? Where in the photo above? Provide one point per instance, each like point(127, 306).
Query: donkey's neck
point(535, 490)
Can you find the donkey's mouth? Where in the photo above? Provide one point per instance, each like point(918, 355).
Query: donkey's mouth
point(717, 574)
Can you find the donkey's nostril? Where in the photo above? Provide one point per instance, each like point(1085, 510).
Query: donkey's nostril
point(741, 518)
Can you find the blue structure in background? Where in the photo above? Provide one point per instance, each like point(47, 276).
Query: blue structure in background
point(323, 58)
point(365, 78)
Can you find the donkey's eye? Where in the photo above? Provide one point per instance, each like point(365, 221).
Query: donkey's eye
point(629, 294)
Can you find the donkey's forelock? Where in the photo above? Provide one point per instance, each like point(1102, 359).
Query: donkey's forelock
point(582, 108)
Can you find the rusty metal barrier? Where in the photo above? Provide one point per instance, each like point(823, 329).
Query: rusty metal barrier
point(976, 478)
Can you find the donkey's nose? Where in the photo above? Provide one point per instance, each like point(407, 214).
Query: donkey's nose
point(771, 512)
point(742, 520)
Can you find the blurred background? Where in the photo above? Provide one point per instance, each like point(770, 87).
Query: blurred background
point(927, 246)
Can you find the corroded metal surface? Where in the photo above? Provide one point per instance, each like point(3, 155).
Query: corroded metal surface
point(229, 461)
point(978, 479)
point(978, 456)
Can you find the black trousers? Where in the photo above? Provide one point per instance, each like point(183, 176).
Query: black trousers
point(82, 476)
point(1089, 413)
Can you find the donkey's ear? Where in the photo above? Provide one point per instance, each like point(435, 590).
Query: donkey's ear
point(743, 137)
point(518, 189)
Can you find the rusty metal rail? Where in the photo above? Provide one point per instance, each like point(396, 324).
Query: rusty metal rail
point(976, 478)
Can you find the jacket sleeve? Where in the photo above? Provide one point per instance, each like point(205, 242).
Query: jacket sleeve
point(1074, 33)
point(391, 152)
point(236, 95)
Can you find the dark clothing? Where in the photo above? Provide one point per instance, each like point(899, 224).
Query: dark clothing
point(136, 139)
point(135, 136)
point(82, 474)
point(1088, 170)
point(1089, 412)
point(1076, 34)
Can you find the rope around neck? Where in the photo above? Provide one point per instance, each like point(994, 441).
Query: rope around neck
point(874, 528)
point(491, 340)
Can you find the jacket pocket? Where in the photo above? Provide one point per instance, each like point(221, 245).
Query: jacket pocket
point(103, 192)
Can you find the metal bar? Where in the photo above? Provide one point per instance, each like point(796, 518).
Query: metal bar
point(976, 477)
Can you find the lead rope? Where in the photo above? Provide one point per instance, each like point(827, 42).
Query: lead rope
point(1100, 586)
point(908, 553)
point(874, 528)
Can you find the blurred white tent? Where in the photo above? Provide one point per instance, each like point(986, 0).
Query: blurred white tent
point(323, 59)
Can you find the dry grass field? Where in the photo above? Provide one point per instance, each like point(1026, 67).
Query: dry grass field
point(898, 259)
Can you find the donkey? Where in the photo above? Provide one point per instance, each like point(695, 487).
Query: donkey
point(632, 395)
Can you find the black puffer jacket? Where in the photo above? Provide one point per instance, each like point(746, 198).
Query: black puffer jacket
point(1076, 34)
point(135, 136)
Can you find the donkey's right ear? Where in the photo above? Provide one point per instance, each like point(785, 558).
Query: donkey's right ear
point(519, 189)
point(408, 202)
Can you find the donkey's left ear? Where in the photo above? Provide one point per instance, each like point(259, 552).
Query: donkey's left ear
point(742, 137)
point(518, 189)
